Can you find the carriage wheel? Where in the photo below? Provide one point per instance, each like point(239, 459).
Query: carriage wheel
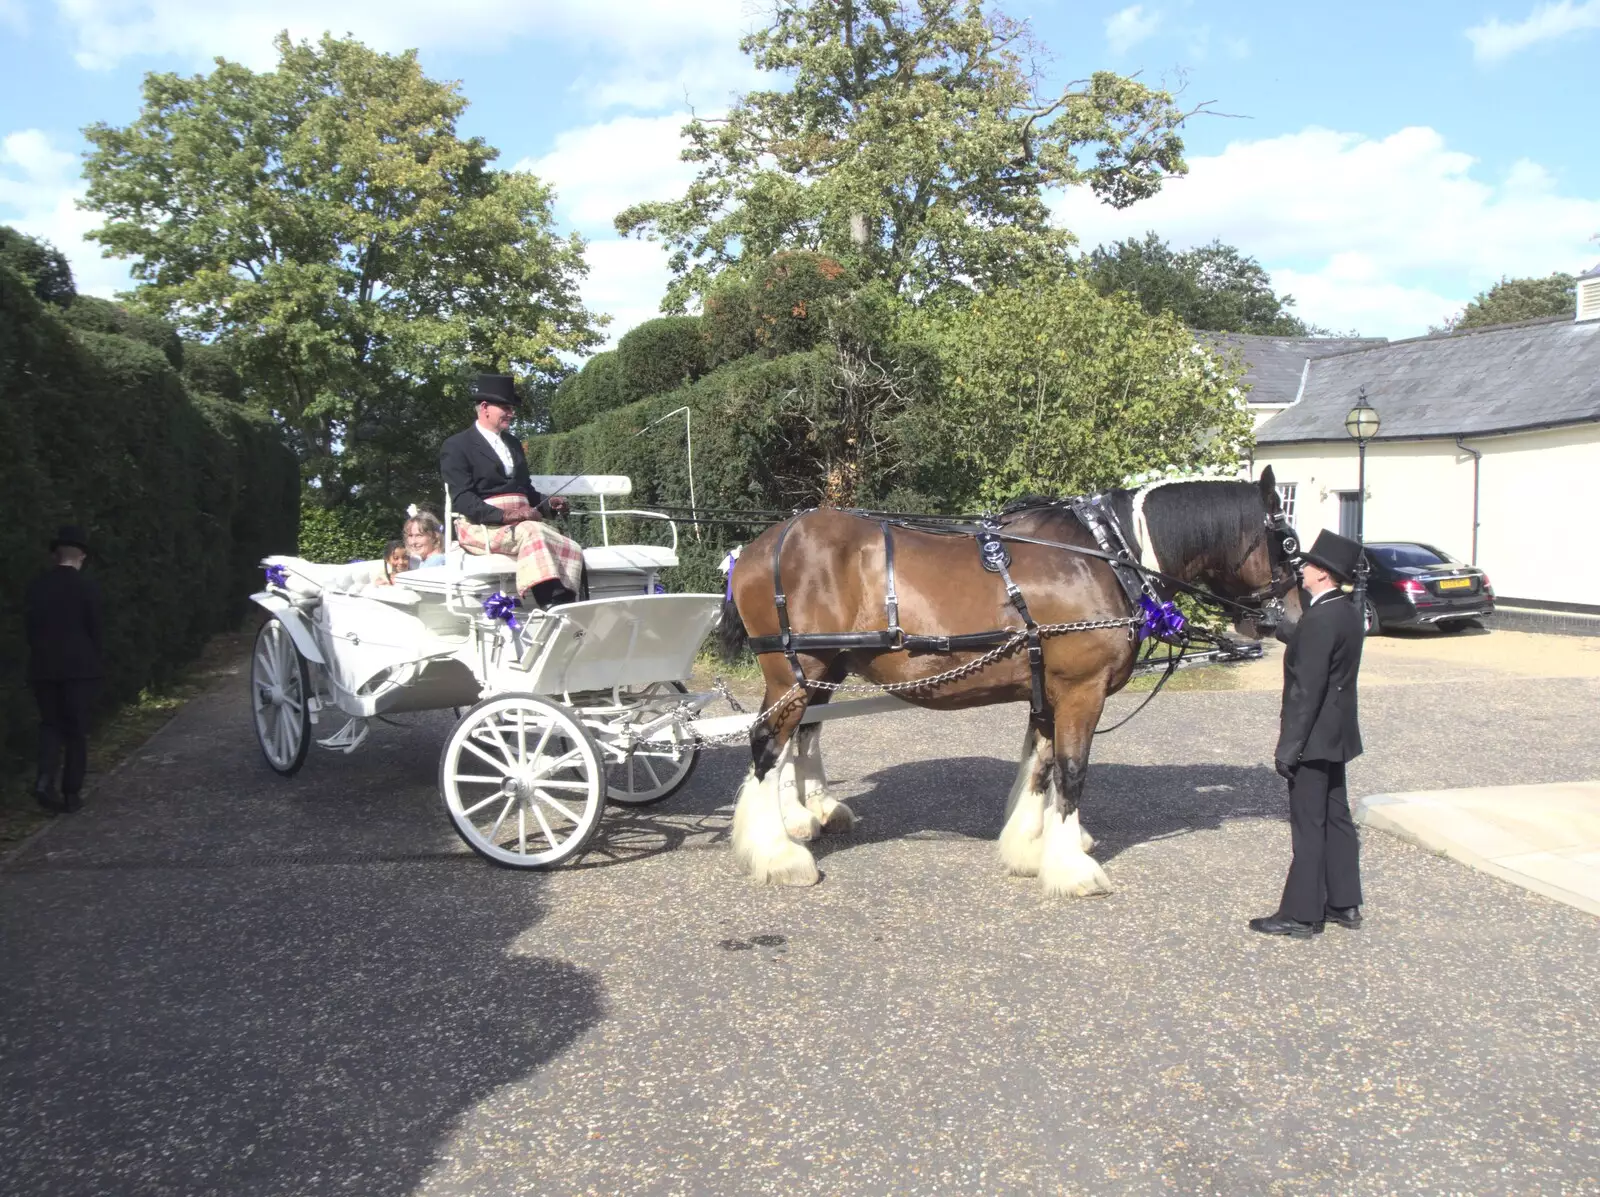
point(280, 685)
point(523, 781)
point(652, 772)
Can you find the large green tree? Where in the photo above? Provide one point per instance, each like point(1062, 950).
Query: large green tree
point(327, 221)
point(1052, 388)
point(1514, 299)
point(1213, 287)
point(913, 141)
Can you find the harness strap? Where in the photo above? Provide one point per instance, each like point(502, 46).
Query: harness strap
point(785, 635)
point(891, 599)
point(1038, 708)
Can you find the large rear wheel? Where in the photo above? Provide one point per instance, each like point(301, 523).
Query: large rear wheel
point(280, 690)
point(523, 781)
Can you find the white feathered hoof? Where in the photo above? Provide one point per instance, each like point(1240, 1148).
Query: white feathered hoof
point(1085, 840)
point(801, 824)
point(1020, 852)
point(834, 816)
point(761, 844)
point(1066, 870)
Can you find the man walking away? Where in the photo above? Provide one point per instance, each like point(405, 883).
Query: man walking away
point(1319, 733)
point(64, 666)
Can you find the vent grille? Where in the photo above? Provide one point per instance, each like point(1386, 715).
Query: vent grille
point(1589, 299)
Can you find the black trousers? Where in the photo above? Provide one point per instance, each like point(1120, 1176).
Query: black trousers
point(64, 709)
point(1326, 870)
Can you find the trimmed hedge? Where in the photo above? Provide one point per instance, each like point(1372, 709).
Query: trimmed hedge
point(658, 356)
point(181, 494)
point(586, 394)
point(780, 308)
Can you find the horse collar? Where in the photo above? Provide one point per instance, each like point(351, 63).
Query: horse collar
point(1141, 528)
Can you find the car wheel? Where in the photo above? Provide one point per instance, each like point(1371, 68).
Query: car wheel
point(1374, 623)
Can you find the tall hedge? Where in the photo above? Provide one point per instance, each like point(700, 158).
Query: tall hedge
point(658, 356)
point(181, 494)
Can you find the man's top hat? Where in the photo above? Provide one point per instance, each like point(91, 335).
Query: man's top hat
point(71, 535)
point(495, 388)
point(1336, 554)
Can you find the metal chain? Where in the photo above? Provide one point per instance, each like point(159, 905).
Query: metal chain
point(906, 687)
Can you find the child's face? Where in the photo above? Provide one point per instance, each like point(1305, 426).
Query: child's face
point(398, 561)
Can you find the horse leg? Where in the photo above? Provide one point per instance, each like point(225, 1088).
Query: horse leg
point(831, 814)
point(1022, 838)
point(762, 843)
point(1065, 867)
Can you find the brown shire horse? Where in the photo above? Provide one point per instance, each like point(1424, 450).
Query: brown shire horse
point(1214, 534)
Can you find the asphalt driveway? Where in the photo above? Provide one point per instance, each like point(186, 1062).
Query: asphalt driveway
point(214, 980)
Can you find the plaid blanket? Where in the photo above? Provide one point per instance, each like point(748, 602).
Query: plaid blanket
point(542, 553)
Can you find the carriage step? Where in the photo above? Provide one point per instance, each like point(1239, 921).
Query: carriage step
point(349, 737)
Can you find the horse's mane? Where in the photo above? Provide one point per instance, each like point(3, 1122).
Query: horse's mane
point(1192, 521)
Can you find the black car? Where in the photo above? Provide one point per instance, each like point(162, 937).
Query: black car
point(1412, 585)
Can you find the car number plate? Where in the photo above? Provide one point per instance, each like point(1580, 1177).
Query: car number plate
point(1455, 583)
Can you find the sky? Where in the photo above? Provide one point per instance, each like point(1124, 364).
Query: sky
point(1384, 161)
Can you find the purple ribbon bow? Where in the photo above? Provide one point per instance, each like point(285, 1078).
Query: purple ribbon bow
point(277, 575)
point(501, 606)
point(1161, 621)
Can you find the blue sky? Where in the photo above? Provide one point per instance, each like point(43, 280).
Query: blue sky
point(1383, 161)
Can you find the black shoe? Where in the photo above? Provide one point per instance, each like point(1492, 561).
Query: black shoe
point(1276, 924)
point(44, 792)
point(1348, 917)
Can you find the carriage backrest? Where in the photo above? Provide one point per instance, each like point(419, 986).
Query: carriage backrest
point(605, 486)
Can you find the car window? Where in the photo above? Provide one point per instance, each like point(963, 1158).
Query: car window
point(1407, 556)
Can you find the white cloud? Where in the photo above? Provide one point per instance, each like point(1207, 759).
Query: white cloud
point(634, 37)
point(1132, 25)
point(39, 187)
point(598, 170)
point(626, 281)
point(1386, 236)
point(1493, 40)
point(13, 16)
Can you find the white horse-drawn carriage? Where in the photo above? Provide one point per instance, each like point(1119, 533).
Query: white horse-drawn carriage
point(559, 711)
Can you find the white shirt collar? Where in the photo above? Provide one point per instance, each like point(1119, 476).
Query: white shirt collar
point(499, 444)
point(1331, 592)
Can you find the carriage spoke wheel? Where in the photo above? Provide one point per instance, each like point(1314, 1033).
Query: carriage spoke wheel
point(279, 689)
point(523, 781)
point(651, 771)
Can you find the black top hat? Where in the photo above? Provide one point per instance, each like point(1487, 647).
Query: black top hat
point(72, 535)
point(1336, 554)
point(495, 388)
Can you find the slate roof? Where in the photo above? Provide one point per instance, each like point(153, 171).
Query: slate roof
point(1276, 363)
point(1592, 272)
point(1531, 375)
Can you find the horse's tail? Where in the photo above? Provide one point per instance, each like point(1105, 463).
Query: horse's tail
point(732, 635)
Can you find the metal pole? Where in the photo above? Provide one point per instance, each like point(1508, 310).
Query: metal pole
point(688, 436)
point(1361, 492)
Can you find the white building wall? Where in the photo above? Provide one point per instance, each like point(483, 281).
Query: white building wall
point(1536, 539)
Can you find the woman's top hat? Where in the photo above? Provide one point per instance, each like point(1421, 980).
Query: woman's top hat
point(1336, 554)
point(495, 388)
point(70, 535)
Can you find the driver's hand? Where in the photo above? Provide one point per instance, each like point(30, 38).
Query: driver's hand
point(558, 505)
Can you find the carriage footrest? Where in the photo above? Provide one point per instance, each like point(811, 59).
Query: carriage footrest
point(349, 737)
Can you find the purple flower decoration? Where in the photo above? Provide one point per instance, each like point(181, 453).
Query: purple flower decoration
point(277, 576)
point(1163, 622)
point(501, 606)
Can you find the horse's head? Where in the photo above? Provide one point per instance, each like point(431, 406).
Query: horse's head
point(1233, 539)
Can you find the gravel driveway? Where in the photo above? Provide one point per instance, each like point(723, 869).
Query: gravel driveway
point(217, 981)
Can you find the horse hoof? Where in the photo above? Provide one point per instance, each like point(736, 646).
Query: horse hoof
point(1021, 855)
point(1085, 840)
point(791, 865)
point(802, 827)
point(1075, 877)
point(836, 817)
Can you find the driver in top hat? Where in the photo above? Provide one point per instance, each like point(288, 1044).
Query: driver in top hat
point(495, 505)
point(1319, 733)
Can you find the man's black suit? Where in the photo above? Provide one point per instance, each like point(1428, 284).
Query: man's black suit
point(62, 613)
point(1319, 732)
point(472, 470)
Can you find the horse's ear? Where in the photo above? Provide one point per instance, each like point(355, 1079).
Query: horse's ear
point(1269, 489)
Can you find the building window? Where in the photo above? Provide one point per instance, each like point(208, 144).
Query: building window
point(1286, 499)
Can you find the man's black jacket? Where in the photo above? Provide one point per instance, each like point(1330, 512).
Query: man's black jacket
point(62, 613)
point(473, 472)
point(1319, 721)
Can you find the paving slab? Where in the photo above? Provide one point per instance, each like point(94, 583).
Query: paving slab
point(1545, 838)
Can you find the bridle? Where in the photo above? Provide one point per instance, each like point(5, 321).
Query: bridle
point(1266, 604)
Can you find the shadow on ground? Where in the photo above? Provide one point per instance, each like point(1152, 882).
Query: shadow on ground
point(957, 798)
point(255, 1030)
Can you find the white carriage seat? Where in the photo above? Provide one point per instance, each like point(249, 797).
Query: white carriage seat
point(474, 565)
point(309, 579)
point(646, 557)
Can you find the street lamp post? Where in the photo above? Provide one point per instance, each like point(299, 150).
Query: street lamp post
point(1362, 424)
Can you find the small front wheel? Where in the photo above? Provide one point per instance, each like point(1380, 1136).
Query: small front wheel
point(523, 781)
point(280, 692)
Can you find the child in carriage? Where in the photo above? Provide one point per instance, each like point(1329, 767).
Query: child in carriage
point(424, 539)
